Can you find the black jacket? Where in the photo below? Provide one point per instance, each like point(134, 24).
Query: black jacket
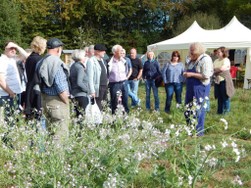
point(33, 98)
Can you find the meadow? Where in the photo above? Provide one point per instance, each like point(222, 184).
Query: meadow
point(143, 149)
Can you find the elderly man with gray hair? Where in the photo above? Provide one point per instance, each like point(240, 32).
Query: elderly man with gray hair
point(117, 78)
point(198, 73)
point(79, 80)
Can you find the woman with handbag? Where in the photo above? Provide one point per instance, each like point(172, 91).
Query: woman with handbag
point(173, 78)
point(79, 81)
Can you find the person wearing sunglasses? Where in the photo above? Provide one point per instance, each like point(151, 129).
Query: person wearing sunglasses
point(173, 78)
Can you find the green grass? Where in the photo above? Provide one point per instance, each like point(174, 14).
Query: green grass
point(239, 128)
point(100, 151)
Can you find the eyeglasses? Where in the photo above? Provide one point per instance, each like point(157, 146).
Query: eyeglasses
point(175, 56)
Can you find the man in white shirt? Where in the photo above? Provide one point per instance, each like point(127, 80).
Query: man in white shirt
point(10, 83)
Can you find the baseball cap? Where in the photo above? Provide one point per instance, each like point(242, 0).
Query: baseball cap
point(100, 47)
point(54, 43)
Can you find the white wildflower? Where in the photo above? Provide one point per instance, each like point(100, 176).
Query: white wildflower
point(190, 180)
point(236, 151)
point(224, 144)
point(212, 162)
point(237, 158)
point(206, 98)
point(237, 180)
point(180, 181)
point(225, 122)
point(205, 105)
point(234, 145)
point(200, 100)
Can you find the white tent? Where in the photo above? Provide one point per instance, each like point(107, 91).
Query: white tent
point(233, 36)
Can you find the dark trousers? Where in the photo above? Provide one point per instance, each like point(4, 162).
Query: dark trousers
point(82, 102)
point(102, 96)
point(114, 88)
point(221, 94)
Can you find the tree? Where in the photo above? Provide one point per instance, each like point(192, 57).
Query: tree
point(204, 20)
point(9, 23)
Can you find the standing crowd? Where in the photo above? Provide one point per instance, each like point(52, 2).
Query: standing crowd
point(41, 84)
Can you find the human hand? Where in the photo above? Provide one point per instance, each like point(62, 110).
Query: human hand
point(187, 74)
point(12, 95)
point(12, 45)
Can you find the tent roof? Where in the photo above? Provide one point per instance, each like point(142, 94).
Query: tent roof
point(233, 35)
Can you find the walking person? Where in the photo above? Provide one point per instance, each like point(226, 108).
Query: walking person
point(173, 78)
point(151, 71)
point(198, 73)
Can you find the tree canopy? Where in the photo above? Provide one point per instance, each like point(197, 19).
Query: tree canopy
point(131, 23)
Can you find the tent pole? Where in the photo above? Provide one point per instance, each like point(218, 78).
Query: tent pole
point(247, 70)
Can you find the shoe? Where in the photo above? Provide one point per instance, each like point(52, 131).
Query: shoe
point(156, 110)
point(139, 102)
point(178, 105)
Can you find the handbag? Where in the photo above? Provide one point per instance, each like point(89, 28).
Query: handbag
point(158, 81)
point(93, 114)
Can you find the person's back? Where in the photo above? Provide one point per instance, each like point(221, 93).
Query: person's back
point(233, 71)
point(55, 90)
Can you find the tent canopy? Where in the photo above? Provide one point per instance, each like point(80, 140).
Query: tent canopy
point(233, 36)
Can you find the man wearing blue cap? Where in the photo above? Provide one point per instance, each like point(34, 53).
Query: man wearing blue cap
point(55, 89)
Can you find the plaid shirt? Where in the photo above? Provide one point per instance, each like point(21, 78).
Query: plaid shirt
point(59, 85)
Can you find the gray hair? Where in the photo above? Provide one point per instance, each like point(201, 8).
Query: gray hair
point(115, 48)
point(198, 48)
point(91, 47)
point(78, 55)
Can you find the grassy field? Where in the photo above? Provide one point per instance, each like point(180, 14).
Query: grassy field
point(142, 150)
point(239, 129)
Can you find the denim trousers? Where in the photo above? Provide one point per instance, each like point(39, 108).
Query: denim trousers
point(133, 86)
point(114, 88)
point(223, 99)
point(170, 89)
point(150, 84)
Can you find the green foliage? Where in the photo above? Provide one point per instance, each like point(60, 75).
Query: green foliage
point(9, 22)
point(204, 20)
point(130, 23)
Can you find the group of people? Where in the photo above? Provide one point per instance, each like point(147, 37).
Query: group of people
point(50, 83)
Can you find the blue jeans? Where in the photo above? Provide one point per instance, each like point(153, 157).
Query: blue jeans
point(170, 89)
point(223, 99)
point(133, 86)
point(150, 84)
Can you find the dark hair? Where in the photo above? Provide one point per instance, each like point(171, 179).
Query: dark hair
point(175, 53)
point(224, 51)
